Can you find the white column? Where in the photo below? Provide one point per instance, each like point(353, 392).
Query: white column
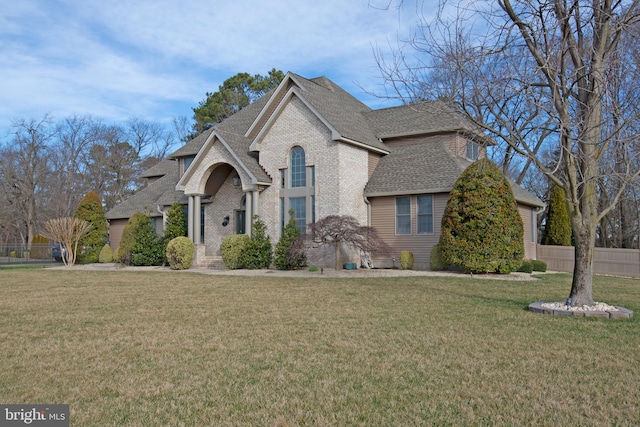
point(248, 212)
point(196, 220)
point(190, 218)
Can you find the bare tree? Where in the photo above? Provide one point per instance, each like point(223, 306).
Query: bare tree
point(344, 230)
point(23, 172)
point(68, 232)
point(540, 72)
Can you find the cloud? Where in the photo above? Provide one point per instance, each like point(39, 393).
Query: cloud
point(157, 59)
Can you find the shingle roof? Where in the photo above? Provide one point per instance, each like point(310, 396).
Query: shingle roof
point(148, 198)
point(418, 168)
point(345, 113)
point(425, 168)
point(418, 119)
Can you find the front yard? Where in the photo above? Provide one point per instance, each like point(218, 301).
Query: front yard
point(168, 348)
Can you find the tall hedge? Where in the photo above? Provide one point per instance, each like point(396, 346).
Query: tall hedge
point(90, 209)
point(482, 230)
point(557, 230)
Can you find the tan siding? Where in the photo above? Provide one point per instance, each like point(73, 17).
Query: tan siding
point(529, 242)
point(383, 220)
point(372, 162)
point(116, 227)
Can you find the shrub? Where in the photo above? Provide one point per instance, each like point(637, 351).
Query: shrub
point(106, 254)
point(176, 226)
point(526, 267)
point(406, 260)
point(233, 249)
point(435, 260)
point(289, 253)
point(557, 230)
point(180, 253)
point(482, 230)
point(258, 252)
point(90, 209)
point(140, 245)
point(539, 265)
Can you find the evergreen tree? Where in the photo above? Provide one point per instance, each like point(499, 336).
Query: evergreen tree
point(289, 252)
point(557, 230)
point(90, 209)
point(258, 252)
point(482, 230)
point(176, 225)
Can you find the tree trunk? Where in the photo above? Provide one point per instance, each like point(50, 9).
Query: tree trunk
point(582, 284)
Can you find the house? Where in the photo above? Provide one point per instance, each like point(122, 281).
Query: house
point(311, 147)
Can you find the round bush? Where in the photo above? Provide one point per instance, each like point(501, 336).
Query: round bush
point(526, 267)
point(232, 250)
point(539, 265)
point(406, 260)
point(180, 253)
point(106, 254)
point(435, 260)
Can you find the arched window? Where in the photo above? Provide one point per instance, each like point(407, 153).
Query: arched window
point(297, 167)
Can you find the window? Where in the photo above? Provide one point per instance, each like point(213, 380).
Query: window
point(425, 214)
point(472, 150)
point(403, 215)
point(297, 191)
point(187, 162)
point(299, 207)
point(298, 168)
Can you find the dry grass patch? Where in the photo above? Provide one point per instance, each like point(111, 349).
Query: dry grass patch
point(168, 348)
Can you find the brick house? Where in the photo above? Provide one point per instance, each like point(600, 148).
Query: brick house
point(312, 147)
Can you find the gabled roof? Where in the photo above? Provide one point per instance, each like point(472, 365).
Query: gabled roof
point(341, 112)
point(426, 168)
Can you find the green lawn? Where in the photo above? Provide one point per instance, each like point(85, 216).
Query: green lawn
point(168, 348)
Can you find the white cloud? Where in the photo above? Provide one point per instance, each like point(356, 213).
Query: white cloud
point(157, 59)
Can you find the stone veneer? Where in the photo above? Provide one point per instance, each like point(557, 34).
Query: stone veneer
point(620, 313)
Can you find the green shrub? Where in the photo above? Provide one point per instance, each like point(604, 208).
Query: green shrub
point(180, 251)
point(176, 226)
point(406, 260)
point(90, 209)
point(526, 267)
point(538, 265)
point(106, 254)
point(313, 269)
point(482, 230)
point(12, 254)
point(289, 253)
point(233, 249)
point(435, 260)
point(557, 230)
point(258, 252)
point(140, 245)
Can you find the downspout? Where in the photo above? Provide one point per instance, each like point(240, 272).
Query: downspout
point(164, 218)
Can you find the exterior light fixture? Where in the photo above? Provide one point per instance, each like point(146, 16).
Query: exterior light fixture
point(236, 180)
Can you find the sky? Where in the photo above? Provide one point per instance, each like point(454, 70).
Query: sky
point(157, 59)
